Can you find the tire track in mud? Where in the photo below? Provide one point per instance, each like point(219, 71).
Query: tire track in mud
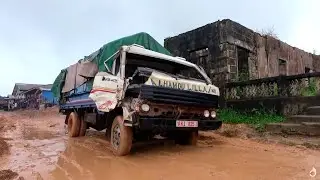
point(40, 148)
point(33, 144)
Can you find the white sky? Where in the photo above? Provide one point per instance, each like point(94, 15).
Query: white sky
point(39, 38)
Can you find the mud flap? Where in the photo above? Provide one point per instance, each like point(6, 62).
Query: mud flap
point(106, 91)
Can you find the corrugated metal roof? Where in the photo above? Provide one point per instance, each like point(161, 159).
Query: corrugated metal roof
point(24, 87)
point(47, 86)
point(27, 87)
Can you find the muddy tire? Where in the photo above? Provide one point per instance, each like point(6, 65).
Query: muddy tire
point(74, 124)
point(66, 119)
point(192, 138)
point(187, 138)
point(83, 128)
point(121, 137)
point(108, 134)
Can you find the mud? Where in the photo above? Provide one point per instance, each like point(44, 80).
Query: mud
point(4, 147)
point(39, 149)
point(8, 174)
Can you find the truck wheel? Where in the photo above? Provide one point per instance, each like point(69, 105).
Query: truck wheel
point(121, 137)
point(73, 125)
point(66, 119)
point(83, 127)
point(108, 134)
point(192, 138)
point(187, 138)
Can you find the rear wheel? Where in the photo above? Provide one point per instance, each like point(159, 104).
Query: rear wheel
point(121, 137)
point(83, 127)
point(74, 124)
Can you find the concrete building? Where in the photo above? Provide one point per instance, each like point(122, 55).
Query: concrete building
point(229, 51)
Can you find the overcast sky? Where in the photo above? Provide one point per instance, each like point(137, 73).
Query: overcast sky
point(38, 38)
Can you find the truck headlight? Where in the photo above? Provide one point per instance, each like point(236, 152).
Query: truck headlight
point(145, 107)
point(206, 113)
point(213, 114)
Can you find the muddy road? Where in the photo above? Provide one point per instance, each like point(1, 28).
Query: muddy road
point(33, 145)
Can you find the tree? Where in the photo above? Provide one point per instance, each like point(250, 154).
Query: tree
point(268, 32)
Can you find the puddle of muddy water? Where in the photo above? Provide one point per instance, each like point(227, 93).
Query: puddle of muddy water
point(90, 158)
point(30, 133)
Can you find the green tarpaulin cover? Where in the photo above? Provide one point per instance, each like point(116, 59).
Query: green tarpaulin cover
point(143, 39)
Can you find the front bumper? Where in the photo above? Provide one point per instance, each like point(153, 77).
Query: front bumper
point(151, 123)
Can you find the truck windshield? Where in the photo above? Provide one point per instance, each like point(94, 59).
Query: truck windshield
point(134, 61)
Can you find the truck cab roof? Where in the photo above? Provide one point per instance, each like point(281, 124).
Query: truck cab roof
point(140, 50)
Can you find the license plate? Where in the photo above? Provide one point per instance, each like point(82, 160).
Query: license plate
point(186, 123)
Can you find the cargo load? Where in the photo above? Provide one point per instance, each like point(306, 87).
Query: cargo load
point(95, 62)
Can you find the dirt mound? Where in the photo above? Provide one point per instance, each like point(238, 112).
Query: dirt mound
point(236, 130)
point(209, 139)
point(8, 175)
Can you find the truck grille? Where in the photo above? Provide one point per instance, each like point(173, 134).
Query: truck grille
point(175, 96)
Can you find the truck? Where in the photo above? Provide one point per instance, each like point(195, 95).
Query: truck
point(135, 90)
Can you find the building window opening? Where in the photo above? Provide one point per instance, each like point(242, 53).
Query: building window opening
point(243, 65)
point(282, 67)
point(200, 57)
point(308, 70)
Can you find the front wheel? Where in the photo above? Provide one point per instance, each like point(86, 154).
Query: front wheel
point(186, 138)
point(121, 137)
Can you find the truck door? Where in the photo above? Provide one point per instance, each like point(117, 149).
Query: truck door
point(107, 88)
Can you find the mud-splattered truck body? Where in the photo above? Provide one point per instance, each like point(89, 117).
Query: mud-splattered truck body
point(142, 94)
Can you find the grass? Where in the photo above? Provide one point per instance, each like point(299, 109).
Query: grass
point(257, 118)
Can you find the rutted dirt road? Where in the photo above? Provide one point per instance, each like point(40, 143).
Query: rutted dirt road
point(33, 145)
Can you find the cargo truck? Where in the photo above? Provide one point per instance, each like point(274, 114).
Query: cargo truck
point(134, 89)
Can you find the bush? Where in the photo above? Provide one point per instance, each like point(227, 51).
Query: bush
point(311, 89)
point(257, 118)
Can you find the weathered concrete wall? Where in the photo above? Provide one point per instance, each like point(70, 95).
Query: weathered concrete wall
point(282, 105)
point(234, 33)
point(222, 40)
point(200, 46)
point(271, 50)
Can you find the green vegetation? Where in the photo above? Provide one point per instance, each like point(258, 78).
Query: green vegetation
point(243, 76)
point(311, 89)
point(257, 118)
